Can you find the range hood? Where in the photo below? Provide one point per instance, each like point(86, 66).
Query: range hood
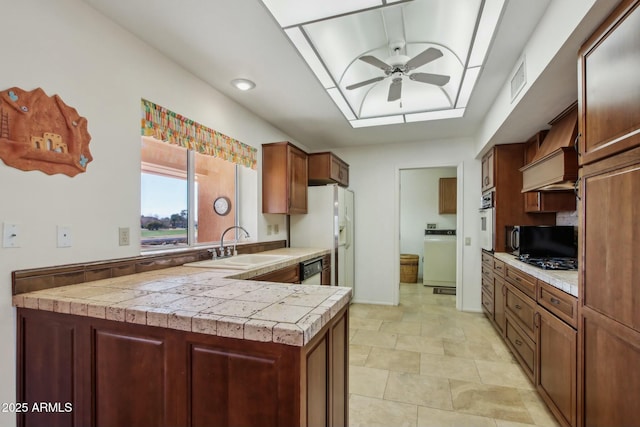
point(555, 165)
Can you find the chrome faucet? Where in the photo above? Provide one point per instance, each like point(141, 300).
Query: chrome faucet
point(234, 241)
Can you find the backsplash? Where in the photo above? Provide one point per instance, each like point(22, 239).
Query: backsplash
point(567, 218)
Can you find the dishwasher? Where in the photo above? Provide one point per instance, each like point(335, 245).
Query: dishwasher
point(310, 272)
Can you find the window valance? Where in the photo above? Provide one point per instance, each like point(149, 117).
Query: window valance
point(165, 125)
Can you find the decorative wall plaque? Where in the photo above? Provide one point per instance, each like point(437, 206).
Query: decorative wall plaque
point(40, 132)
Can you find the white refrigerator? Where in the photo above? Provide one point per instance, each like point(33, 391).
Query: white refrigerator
point(328, 223)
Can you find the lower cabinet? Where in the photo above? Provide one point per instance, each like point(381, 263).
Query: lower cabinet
point(107, 373)
point(539, 325)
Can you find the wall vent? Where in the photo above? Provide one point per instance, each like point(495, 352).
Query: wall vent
point(518, 80)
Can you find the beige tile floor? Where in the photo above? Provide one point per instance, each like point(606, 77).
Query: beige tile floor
point(423, 364)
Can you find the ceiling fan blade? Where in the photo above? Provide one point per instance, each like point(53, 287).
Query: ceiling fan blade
point(423, 58)
point(434, 79)
point(395, 90)
point(375, 62)
point(364, 83)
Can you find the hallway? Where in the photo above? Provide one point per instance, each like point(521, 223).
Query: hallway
point(423, 363)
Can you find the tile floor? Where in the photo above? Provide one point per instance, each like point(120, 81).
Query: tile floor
point(423, 364)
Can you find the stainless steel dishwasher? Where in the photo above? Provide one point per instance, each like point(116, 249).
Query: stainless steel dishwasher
point(310, 272)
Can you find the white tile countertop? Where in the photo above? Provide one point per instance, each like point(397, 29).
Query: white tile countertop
point(205, 300)
point(566, 281)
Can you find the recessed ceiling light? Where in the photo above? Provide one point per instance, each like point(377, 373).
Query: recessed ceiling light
point(243, 84)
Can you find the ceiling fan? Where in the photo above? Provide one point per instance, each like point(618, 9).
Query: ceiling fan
point(398, 66)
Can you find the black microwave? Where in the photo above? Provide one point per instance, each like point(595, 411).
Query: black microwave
point(542, 240)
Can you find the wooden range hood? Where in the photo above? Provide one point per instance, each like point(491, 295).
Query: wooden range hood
point(555, 166)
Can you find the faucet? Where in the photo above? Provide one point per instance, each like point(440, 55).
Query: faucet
point(234, 241)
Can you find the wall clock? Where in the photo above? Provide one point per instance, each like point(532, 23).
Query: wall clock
point(222, 205)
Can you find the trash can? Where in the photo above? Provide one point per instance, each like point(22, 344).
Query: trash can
point(408, 268)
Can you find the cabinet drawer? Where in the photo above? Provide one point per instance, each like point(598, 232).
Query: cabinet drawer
point(523, 347)
point(560, 303)
point(487, 259)
point(522, 310)
point(521, 280)
point(487, 302)
point(498, 267)
point(487, 273)
point(487, 286)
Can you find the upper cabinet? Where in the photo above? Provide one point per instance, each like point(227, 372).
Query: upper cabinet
point(447, 196)
point(327, 168)
point(284, 179)
point(609, 91)
point(487, 171)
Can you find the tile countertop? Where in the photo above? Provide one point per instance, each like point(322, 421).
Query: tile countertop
point(205, 300)
point(566, 281)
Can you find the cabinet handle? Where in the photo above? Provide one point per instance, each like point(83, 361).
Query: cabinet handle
point(518, 279)
point(486, 180)
point(498, 268)
point(576, 189)
point(536, 320)
point(518, 342)
point(554, 301)
point(518, 307)
point(576, 145)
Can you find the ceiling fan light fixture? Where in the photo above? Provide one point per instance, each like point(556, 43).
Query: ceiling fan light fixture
point(243, 84)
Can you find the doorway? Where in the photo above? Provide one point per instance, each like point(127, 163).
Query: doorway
point(427, 227)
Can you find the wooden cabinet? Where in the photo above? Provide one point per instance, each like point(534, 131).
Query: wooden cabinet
point(447, 196)
point(325, 276)
point(524, 282)
point(124, 374)
point(289, 274)
point(488, 181)
point(327, 168)
point(284, 179)
point(609, 123)
point(609, 117)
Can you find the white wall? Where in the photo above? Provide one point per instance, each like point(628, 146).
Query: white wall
point(375, 178)
point(67, 48)
point(419, 200)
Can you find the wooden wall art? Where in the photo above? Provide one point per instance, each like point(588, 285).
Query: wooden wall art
point(40, 132)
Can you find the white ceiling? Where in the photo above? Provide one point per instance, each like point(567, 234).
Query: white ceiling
point(219, 40)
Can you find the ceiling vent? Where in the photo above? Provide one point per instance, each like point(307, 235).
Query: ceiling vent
point(518, 80)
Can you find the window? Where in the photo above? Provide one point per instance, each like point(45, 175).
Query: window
point(178, 188)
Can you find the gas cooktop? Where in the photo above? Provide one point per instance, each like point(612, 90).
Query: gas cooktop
point(550, 263)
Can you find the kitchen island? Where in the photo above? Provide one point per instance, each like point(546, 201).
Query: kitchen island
point(185, 346)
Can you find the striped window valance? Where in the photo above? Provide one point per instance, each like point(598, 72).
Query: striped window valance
point(165, 125)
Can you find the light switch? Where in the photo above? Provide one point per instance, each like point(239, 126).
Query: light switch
point(467, 241)
point(10, 235)
point(64, 236)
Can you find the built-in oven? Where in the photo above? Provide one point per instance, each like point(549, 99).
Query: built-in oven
point(311, 272)
point(487, 220)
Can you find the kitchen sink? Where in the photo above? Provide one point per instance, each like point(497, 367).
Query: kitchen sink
point(239, 262)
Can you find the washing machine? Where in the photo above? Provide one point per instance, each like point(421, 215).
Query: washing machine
point(439, 268)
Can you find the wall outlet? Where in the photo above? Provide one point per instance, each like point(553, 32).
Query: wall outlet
point(431, 226)
point(269, 230)
point(123, 236)
point(276, 228)
point(10, 235)
point(467, 241)
point(64, 236)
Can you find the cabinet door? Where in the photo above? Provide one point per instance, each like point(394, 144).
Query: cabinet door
point(557, 357)
point(297, 160)
point(608, 99)
point(487, 171)
point(447, 196)
point(611, 383)
point(611, 247)
point(499, 302)
point(289, 274)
